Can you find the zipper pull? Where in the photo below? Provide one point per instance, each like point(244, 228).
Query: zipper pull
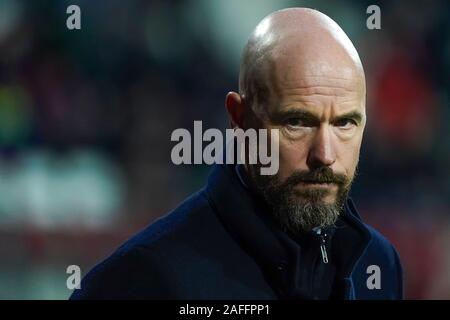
point(323, 248)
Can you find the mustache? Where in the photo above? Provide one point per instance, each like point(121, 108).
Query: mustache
point(319, 175)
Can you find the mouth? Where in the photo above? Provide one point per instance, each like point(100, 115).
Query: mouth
point(316, 184)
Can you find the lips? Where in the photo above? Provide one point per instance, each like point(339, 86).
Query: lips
point(316, 182)
point(315, 185)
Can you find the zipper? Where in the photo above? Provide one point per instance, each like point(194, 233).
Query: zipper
point(323, 244)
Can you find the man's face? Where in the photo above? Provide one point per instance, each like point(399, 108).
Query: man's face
point(320, 113)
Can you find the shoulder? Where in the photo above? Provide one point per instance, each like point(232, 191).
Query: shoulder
point(381, 256)
point(116, 277)
point(143, 266)
point(380, 246)
point(188, 220)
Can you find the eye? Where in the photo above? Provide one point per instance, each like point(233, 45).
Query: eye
point(294, 122)
point(345, 123)
point(297, 123)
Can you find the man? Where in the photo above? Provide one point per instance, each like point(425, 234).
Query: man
point(292, 235)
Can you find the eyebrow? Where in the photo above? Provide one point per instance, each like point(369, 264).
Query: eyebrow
point(354, 115)
point(307, 115)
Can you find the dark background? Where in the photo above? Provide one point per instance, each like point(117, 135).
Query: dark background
point(86, 117)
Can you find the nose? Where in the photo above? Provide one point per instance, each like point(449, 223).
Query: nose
point(321, 152)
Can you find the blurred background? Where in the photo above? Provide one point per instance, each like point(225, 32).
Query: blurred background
point(86, 117)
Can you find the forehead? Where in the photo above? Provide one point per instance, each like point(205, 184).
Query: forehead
point(310, 67)
point(313, 80)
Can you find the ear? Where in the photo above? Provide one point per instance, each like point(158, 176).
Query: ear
point(235, 106)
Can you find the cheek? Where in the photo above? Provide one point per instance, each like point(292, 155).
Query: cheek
point(348, 156)
point(292, 157)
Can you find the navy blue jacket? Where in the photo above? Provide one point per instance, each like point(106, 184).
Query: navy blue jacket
point(217, 245)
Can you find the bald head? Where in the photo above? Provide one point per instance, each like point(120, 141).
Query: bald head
point(297, 44)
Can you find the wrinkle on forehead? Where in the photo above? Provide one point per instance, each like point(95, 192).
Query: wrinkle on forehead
point(299, 47)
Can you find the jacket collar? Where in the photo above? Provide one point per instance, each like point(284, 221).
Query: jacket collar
point(239, 211)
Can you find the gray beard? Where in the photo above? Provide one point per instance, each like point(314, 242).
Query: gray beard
point(299, 211)
point(304, 216)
